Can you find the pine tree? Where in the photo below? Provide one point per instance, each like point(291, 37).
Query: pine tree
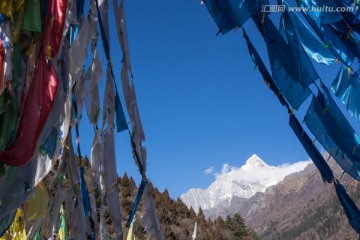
point(228, 222)
point(220, 222)
point(132, 183)
point(192, 213)
point(237, 226)
point(181, 209)
point(201, 218)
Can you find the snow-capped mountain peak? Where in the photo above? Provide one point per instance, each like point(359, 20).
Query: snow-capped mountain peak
point(254, 176)
point(253, 162)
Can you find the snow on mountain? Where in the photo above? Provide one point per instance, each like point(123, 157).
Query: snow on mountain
point(255, 176)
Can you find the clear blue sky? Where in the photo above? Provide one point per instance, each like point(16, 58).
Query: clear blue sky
point(201, 101)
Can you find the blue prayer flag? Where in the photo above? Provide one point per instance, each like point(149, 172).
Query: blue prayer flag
point(314, 154)
point(332, 41)
point(269, 81)
point(49, 146)
point(312, 44)
point(350, 18)
point(282, 63)
point(229, 14)
point(121, 124)
point(84, 193)
point(304, 67)
point(3, 18)
point(347, 89)
point(350, 208)
point(326, 121)
point(136, 202)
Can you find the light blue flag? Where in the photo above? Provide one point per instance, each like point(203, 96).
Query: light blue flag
point(283, 69)
point(344, 32)
point(332, 41)
point(326, 121)
point(269, 81)
point(347, 89)
point(305, 71)
point(352, 18)
point(312, 44)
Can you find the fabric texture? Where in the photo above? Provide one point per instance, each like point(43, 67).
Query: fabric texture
point(17, 228)
point(314, 154)
point(269, 81)
point(55, 20)
point(347, 89)
point(229, 14)
point(332, 42)
point(121, 123)
point(131, 232)
point(49, 146)
point(304, 69)
point(282, 63)
point(150, 218)
point(333, 131)
point(350, 208)
point(6, 222)
point(84, 193)
point(6, 38)
point(351, 18)
point(32, 16)
point(91, 90)
point(136, 203)
point(2, 62)
point(37, 206)
point(40, 99)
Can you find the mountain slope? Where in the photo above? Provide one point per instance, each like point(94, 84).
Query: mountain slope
point(177, 221)
point(299, 207)
point(302, 208)
point(255, 176)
